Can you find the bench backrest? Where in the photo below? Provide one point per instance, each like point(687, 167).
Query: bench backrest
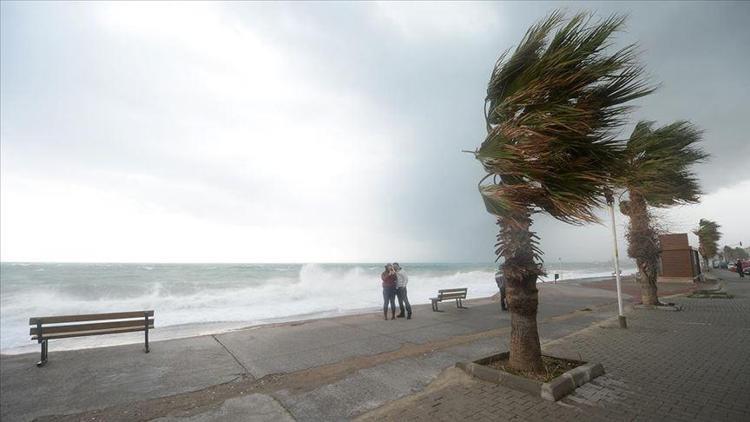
point(447, 294)
point(52, 327)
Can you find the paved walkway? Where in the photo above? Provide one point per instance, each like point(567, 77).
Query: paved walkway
point(361, 366)
point(327, 369)
point(689, 365)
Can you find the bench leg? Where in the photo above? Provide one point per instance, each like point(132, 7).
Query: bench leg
point(435, 306)
point(43, 359)
point(460, 304)
point(146, 331)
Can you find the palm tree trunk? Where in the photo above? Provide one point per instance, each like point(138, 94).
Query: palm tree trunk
point(649, 293)
point(516, 245)
point(643, 246)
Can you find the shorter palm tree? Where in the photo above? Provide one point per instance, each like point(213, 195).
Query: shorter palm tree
point(708, 239)
point(657, 173)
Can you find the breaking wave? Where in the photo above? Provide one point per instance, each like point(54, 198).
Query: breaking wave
point(194, 294)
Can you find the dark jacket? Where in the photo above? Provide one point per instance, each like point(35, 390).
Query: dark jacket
point(500, 279)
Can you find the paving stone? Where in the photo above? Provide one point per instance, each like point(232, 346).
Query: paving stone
point(689, 365)
point(254, 407)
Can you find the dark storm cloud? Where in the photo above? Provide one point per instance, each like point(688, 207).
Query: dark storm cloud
point(421, 71)
point(436, 84)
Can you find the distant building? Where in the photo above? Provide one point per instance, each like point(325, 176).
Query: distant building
point(679, 261)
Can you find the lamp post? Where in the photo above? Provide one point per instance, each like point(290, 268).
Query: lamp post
point(616, 257)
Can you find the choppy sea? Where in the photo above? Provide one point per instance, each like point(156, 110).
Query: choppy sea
point(190, 299)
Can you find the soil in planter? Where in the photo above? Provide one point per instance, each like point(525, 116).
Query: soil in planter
point(553, 368)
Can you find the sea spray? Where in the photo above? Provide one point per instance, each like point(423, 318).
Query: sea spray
point(184, 294)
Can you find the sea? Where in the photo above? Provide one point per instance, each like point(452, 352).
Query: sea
point(196, 299)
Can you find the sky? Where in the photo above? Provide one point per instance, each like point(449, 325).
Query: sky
point(314, 132)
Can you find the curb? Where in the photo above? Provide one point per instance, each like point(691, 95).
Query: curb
point(569, 381)
point(553, 390)
point(672, 308)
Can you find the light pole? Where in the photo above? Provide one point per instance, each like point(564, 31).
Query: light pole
point(621, 315)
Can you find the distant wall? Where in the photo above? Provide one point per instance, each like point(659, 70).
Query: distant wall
point(674, 242)
point(676, 256)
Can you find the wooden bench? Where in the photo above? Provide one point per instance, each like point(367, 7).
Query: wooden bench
point(44, 329)
point(449, 294)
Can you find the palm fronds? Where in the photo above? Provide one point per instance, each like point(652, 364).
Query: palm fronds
point(550, 110)
point(658, 163)
point(708, 237)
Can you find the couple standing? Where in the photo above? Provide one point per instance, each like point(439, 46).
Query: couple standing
point(394, 284)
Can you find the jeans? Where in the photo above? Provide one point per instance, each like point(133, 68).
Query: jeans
point(389, 295)
point(403, 299)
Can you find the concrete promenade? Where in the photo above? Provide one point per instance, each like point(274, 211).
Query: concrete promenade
point(688, 365)
point(327, 369)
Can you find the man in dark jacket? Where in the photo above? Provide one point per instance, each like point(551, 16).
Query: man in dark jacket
point(500, 280)
point(403, 298)
point(740, 269)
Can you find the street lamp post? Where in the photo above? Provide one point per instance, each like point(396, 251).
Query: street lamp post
point(621, 315)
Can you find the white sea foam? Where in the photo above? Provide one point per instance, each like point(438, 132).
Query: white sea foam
point(313, 290)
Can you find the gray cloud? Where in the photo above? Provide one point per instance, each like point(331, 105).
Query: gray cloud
point(399, 87)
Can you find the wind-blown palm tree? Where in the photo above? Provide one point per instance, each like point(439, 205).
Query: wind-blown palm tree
point(708, 239)
point(550, 108)
point(656, 173)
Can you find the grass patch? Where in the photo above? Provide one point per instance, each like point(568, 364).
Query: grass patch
point(709, 294)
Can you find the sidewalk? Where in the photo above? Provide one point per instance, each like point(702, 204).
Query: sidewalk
point(361, 366)
point(326, 369)
point(632, 288)
point(689, 365)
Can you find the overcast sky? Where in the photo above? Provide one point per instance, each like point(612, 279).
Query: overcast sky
point(271, 132)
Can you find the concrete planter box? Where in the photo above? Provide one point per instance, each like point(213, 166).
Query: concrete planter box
point(710, 294)
point(663, 307)
point(553, 390)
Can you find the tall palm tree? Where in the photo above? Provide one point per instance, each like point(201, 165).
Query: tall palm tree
point(550, 109)
point(656, 172)
point(708, 239)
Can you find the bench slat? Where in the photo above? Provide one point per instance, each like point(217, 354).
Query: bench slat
point(452, 296)
point(453, 290)
point(93, 333)
point(88, 317)
point(56, 329)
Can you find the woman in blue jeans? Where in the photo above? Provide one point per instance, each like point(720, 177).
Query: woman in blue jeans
point(389, 291)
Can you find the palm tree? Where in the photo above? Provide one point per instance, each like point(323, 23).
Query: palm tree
point(550, 109)
point(656, 173)
point(708, 239)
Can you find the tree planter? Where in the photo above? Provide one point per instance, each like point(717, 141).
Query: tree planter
point(710, 294)
point(659, 307)
point(552, 390)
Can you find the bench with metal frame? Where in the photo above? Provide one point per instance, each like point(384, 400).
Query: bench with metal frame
point(449, 294)
point(48, 328)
